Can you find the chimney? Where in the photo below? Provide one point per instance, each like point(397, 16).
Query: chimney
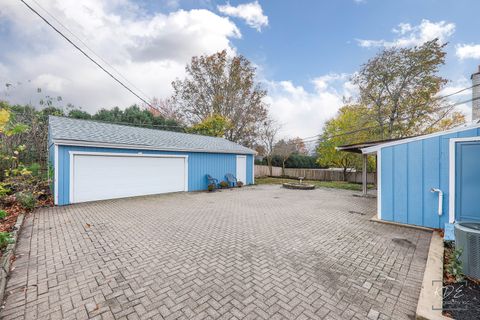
point(476, 96)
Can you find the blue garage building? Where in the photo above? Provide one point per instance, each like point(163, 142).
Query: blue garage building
point(430, 180)
point(97, 161)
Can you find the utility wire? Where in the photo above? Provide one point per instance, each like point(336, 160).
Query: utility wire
point(90, 49)
point(85, 54)
point(321, 139)
point(317, 137)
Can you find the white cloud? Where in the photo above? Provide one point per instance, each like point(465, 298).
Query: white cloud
point(150, 50)
point(50, 82)
point(457, 89)
point(468, 51)
point(303, 113)
point(408, 35)
point(456, 86)
point(403, 28)
point(251, 12)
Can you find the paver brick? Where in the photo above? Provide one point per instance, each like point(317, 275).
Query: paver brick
point(254, 253)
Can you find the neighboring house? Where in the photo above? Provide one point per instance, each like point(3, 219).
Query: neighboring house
point(434, 179)
point(98, 161)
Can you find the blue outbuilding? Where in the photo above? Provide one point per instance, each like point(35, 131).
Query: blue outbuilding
point(98, 161)
point(429, 180)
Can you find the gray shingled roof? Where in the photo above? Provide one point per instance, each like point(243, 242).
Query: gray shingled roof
point(98, 132)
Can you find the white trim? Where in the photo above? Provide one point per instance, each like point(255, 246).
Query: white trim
point(379, 184)
point(431, 135)
point(115, 154)
point(72, 154)
point(186, 173)
point(241, 156)
point(143, 147)
point(451, 182)
point(55, 181)
point(72, 167)
point(253, 169)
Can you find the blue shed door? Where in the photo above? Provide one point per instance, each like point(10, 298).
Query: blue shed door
point(467, 181)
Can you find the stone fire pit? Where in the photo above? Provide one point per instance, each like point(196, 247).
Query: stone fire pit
point(298, 186)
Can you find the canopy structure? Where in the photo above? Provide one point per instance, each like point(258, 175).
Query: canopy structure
point(358, 148)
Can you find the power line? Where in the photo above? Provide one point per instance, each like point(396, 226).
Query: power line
point(85, 54)
point(319, 139)
point(90, 49)
point(316, 137)
point(460, 91)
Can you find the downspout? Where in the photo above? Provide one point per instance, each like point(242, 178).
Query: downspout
point(440, 200)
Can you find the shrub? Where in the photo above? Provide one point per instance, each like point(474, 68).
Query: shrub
point(211, 187)
point(4, 190)
point(224, 184)
point(35, 169)
point(26, 200)
point(454, 266)
point(3, 214)
point(239, 184)
point(5, 239)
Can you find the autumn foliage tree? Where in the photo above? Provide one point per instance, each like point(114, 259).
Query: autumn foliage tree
point(215, 126)
point(399, 87)
point(222, 85)
point(335, 133)
point(283, 149)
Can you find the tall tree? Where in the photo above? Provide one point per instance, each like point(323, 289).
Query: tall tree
point(215, 126)
point(284, 149)
point(300, 147)
point(399, 88)
point(267, 138)
point(222, 85)
point(336, 133)
point(164, 108)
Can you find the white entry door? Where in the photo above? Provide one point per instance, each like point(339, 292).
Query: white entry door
point(242, 169)
point(109, 176)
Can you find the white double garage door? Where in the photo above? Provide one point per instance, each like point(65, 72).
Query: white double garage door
point(101, 176)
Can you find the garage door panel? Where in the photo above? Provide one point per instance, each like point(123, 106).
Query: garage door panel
point(108, 177)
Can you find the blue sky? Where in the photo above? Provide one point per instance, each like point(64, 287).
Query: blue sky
point(305, 51)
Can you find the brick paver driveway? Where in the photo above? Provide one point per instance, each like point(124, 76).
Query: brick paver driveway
point(257, 252)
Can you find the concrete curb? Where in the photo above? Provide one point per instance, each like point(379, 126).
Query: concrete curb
point(430, 302)
point(6, 260)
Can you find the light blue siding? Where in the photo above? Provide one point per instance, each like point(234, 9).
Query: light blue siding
point(387, 163)
point(400, 176)
point(199, 164)
point(409, 171)
point(431, 179)
point(415, 183)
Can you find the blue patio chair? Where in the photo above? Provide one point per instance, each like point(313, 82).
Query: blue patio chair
point(231, 179)
point(212, 180)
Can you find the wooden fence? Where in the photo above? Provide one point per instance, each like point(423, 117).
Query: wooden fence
point(313, 174)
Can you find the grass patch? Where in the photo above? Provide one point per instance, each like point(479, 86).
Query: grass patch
point(324, 184)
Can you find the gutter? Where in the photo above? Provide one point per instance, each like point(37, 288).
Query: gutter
point(144, 147)
point(461, 128)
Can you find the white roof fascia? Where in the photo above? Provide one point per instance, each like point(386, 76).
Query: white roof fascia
point(426, 136)
point(63, 142)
